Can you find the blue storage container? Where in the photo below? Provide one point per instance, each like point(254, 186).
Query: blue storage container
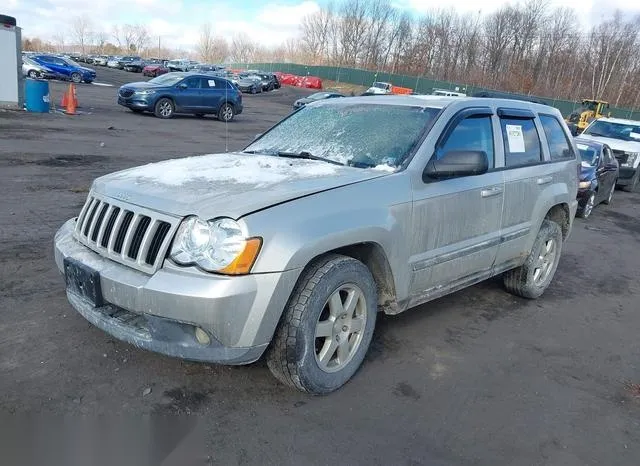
point(36, 95)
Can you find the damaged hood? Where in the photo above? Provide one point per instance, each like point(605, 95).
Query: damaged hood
point(232, 185)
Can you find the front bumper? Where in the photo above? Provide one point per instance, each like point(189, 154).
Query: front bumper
point(625, 175)
point(161, 312)
point(137, 102)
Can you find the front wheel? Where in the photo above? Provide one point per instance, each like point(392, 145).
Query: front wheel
point(164, 108)
point(327, 326)
point(631, 187)
point(226, 113)
point(610, 196)
point(532, 278)
point(76, 78)
point(588, 207)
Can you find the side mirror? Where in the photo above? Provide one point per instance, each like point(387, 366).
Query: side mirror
point(182, 86)
point(457, 163)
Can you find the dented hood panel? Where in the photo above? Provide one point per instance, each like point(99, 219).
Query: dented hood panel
point(232, 185)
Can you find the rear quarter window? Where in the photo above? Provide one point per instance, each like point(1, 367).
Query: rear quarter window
point(559, 146)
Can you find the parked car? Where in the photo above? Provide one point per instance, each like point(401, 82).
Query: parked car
point(251, 84)
point(180, 92)
point(124, 61)
point(114, 62)
point(134, 66)
point(315, 97)
point(269, 81)
point(623, 137)
point(35, 70)
point(598, 176)
point(206, 68)
point(291, 247)
point(67, 68)
point(178, 65)
point(154, 69)
point(101, 60)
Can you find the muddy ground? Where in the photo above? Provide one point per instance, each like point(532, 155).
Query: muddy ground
point(479, 377)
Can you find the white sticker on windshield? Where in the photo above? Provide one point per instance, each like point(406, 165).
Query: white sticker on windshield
point(212, 83)
point(515, 138)
point(634, 135)
point(583, 147)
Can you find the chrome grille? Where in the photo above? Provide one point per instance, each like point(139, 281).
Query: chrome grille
point(126, 92)
point(126, 234)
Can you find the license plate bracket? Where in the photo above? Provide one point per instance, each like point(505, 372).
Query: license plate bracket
point(83, 281)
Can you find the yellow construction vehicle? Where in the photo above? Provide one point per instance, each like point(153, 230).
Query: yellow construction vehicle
point(589, 110)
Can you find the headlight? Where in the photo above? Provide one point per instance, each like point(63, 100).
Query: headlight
point(145, 92)
point(631, 158)
point(216, 246)
point(584, 184)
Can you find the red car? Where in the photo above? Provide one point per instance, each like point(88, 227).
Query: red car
point(154, 70)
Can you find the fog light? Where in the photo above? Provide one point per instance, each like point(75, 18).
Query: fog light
point(202, 337)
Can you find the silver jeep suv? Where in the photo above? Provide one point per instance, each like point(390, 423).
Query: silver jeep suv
point(346, 208)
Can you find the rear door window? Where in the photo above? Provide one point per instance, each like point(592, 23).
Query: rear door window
point(521, 142)
point(192, 83)
point(559, 146)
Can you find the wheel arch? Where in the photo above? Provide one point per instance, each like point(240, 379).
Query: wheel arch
point(560, 214)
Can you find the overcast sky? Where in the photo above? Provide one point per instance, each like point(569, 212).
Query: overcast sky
point(267, 21)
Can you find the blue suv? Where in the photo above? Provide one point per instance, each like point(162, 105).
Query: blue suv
point(172, 93)
point(66, 67)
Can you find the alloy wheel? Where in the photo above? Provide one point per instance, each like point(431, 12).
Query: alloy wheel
point(588, 208)
point(340, 328)
point(545, 261)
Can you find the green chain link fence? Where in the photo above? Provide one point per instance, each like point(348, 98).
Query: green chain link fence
point(419, 84)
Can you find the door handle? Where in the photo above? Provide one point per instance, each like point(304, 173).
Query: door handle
point(494, 191)
point(545, 180)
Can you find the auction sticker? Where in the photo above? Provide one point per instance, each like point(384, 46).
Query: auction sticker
point(515, 138)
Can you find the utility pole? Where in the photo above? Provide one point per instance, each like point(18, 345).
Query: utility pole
point(159, 47)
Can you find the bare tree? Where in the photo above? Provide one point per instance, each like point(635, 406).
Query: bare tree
point(242, 48)
point(81, 28)
point(205, 43)
point(59, 40)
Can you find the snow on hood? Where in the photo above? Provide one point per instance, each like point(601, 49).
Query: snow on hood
point(226, 184)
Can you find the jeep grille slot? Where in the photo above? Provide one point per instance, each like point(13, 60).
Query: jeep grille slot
point(124, 233)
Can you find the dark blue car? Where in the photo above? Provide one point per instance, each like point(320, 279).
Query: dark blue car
point(599, 171)
point(68, 68)
point(171, 93)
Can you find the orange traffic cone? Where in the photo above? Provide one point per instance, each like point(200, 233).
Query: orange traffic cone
point(70, 100)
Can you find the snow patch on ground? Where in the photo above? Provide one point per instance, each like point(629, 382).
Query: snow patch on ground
point(258, 170)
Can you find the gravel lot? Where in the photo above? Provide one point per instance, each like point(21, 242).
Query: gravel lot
point(479, 377)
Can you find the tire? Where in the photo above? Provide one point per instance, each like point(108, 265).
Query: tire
point(610, 196)
point(254, 90)
point(164, 108)
point(522, 281)
point(631, 187)
point(33, 74)
point(310, 363)
point(588, 207)
point(76, 77)
point(226, 113)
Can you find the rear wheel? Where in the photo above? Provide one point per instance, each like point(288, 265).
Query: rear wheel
point(327, 326)
point(226, 113)
point(76, 77)
point(164, 108)
point(532, 278)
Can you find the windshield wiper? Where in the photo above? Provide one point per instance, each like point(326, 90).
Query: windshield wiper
point(306, 155)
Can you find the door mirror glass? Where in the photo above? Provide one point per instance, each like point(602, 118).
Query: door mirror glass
point(182, 86)
point(458, 163)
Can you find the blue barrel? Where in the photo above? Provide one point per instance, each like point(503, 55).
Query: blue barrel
point(36, 95)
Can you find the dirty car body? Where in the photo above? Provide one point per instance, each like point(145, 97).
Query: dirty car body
point(381, 194)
